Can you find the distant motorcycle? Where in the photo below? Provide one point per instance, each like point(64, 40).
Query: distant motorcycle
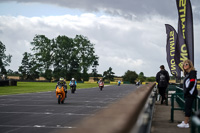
point(101, 85)
point(137, 83)
point(119, 83)
point(72, 87)
point(60, 94)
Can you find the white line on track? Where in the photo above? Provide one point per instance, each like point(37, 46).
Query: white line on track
point(44, 113)
point(74, 100)
point(37, 126)
point(26, 93)
point(53, 106)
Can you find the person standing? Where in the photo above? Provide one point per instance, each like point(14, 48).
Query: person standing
point(189, 89)
point(162, 78)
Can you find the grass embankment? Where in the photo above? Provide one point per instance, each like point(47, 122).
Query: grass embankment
point(31, 87)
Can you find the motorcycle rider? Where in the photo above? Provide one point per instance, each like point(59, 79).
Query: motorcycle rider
point(101, 81)
point(138, 83)
point(74, 82)
point(62, 83)
point(119, 82)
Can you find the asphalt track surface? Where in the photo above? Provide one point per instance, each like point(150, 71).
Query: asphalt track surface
point(41, 113)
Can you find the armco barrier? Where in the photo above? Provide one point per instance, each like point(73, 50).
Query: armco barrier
point(122, 116)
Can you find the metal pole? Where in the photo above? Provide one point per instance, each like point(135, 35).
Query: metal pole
point(172, 108)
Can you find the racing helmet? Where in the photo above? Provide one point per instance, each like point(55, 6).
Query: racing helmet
point(61, 80)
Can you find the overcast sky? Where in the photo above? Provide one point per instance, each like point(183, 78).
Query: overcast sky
point(128, 34)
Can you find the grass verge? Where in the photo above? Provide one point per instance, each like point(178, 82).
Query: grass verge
point(31, 87)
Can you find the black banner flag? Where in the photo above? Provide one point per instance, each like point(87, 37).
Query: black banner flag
point(171, 50)
point(185, 31)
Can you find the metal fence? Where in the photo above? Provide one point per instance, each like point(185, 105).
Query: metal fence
point(179, 97)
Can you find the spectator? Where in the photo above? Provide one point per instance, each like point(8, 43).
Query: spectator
point(162, 78)
point(189, 89)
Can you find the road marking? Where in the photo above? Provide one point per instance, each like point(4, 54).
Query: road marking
point(46, 113)
point(76, 106)
point(78, 114)
point(26, 93)
point(37, 126)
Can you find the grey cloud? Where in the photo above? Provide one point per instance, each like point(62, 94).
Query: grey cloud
point(144, 40)
point(125, 8)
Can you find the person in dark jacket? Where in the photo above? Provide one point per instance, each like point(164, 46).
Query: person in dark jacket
point(62, 83)
point(189, 89)
point(162, 78)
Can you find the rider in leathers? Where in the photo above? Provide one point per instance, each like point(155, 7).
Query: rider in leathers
point(63, 83)
point(73, 81)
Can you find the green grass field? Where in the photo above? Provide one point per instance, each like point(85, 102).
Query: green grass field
point(31, 87)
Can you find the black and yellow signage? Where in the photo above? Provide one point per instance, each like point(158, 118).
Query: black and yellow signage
point(185, 32)
point(171, 50)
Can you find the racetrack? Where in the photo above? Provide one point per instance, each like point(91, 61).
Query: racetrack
point(40, 112)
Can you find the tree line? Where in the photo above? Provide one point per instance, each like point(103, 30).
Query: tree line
point(62, 57)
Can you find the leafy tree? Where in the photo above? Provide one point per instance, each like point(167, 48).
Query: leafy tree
point(74, 70)
point(12, 73)
point(29, 68)
point(92, 75)
point(130, 76)
point(9, 72)
point(141, 77)
point(109, 74)
point(43, 48)
point(94, 70)
point(85, 52)
point(48, 74)
point(73, 57)
point(151, 79)
point(4, 59)
point(64, 55)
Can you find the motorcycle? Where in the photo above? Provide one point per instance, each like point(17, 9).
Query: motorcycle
point(60, 94)
point(72, 87)
point(137, 84)
point(101, 85)
point(119, 83)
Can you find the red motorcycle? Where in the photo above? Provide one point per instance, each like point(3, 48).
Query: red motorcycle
point(101, 85)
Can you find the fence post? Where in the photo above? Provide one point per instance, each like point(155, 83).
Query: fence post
point(192, 127)
point(167, 96)
point(172, 108)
